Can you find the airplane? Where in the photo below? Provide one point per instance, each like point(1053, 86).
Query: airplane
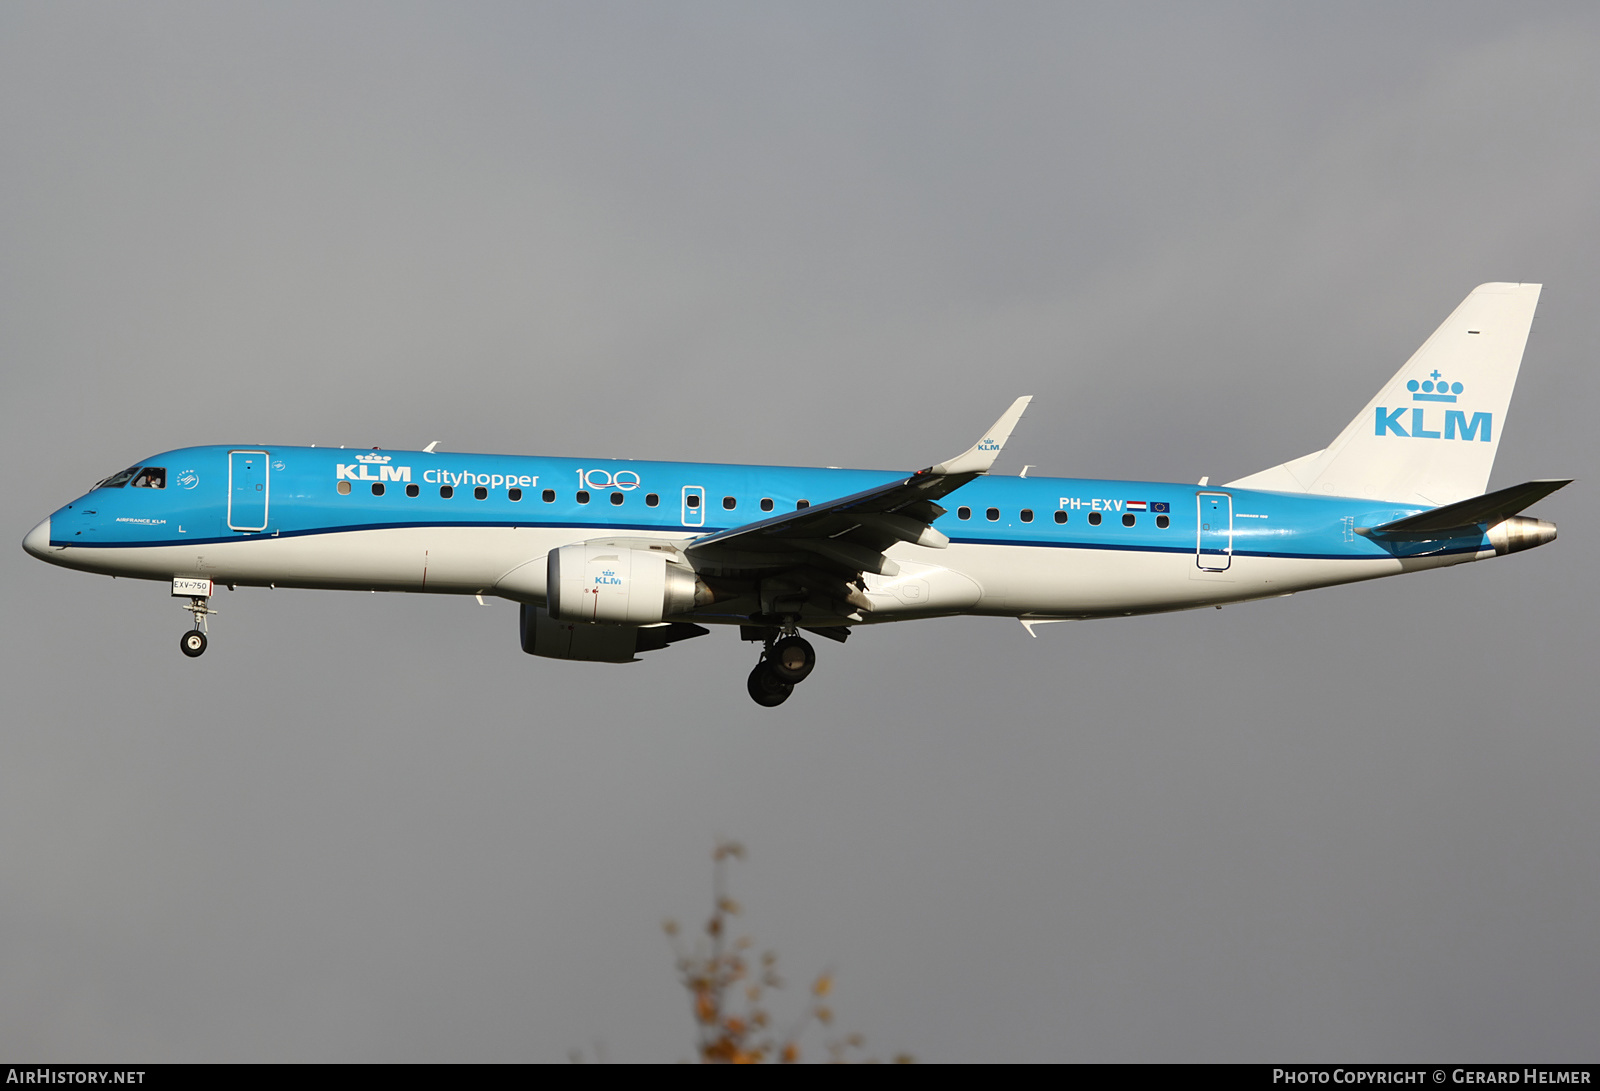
point(610, 558)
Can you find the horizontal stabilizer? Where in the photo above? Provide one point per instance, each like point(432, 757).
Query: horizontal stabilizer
point(1480, 511)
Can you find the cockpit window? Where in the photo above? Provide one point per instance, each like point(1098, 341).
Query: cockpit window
point(116, 481)
point(151, 477)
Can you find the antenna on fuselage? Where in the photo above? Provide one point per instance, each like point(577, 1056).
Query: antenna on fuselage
point(429, 448)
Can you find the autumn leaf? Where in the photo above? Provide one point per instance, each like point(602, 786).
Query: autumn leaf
point(730, 1000)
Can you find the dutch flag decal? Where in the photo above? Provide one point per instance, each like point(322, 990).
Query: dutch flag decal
point(1136, 505)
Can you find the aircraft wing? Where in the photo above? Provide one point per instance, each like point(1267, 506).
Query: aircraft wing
point(825, 548)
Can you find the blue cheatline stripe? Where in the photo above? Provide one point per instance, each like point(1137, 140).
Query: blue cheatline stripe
point(255, 536)
point(1189, 550)
point(1027, 543)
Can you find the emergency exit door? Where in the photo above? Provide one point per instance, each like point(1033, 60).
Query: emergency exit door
point(694, 505)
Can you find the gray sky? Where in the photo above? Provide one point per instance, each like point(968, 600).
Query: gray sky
point(1356, 823)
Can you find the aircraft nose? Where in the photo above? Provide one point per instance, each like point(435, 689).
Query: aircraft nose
point(38, 540)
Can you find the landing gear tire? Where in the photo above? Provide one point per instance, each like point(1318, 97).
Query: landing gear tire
point(791, 659)
point(193, 643)
point(766, 688)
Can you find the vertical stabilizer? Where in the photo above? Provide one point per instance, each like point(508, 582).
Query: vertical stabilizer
point(1430, 436)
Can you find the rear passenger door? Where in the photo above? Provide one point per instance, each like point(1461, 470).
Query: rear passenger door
point(1214, 541)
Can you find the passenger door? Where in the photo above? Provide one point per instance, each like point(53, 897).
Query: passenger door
point(1214, 541)
point(248, 490)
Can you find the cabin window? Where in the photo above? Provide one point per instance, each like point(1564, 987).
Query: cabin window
point(344, 488)
point(413, 490)
point(1129, 519)
point(691, 500)
point(729, 503)
point(651, 499)
point(1094, 518)
point(799, 504)
point(151, 477)
point(963, 513)
point(446, 492)
point(480, 493)
point(993, 515)
point(377, 488)
point(583, 496)
point(1061, 517)
point(1027, 515)
point(117, 481)
point(766, 503)
point(616, 498)
point(514, 494)
point(549, 496)
point(1163, 522)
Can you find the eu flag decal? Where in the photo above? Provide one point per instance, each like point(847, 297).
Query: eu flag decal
point(1160, 506)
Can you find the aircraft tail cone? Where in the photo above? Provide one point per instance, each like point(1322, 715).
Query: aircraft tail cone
point(1520, 532)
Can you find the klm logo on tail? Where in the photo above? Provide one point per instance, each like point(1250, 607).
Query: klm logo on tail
point(1456, 425)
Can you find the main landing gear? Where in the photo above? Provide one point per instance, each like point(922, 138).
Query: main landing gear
point(785, 663)
point(193, 642)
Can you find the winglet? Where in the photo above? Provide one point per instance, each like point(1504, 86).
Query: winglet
point(981, 455)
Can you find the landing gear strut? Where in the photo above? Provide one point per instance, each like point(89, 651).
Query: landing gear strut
point(787, 660)
point(193, 642)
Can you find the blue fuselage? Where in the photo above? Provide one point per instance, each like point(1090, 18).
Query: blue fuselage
point(215, 495)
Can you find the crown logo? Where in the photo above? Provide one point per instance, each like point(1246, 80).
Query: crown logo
point(1433, 389)
point(380, 459)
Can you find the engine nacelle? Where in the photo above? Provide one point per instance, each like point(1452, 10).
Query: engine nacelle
point(544, 635)
point(1520, 532)
point(609, 583)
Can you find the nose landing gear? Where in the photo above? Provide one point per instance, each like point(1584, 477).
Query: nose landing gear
point(193, 642)
point(787, 661)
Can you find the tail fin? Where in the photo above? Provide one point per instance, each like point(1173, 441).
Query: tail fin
point(1431, 434)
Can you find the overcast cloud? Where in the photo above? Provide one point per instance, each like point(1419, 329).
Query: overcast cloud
point(1355, 823)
